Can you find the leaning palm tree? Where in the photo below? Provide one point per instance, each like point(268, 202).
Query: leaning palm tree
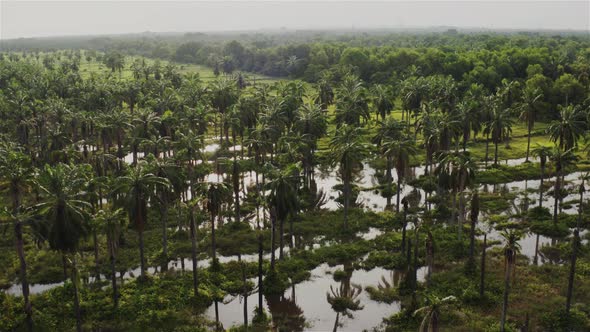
point(65, 211)
point(432, 311)
point(347, 151)
point(528, 114)
point(134, 190)
point(511, 250)
point(16, 170)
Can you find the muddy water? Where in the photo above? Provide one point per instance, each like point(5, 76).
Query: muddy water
point(307, 303)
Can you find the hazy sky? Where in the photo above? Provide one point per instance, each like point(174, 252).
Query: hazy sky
point(50, 18)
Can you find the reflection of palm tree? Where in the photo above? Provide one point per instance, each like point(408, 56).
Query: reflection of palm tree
point(345, 298)
point(286, 314)
point(432, 309)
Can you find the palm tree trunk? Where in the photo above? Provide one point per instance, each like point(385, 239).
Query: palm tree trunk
point(346, 199)
point(506, 293)
point(194, 253)
point(282, 237)
point(389, 179)
point(541, 186)
point(335, 329)
point(64, 263)
point(213, 242)
point(76, 298)
point(244, 294)
point(399, 185)
point(114, 279)
point(496, 153)
point(96, 262)
point(528, 144)
point(556, 194)
point(472, 244)
point(141, 256)
point(273, 222)
point(483, 266)
point(260, 287)
point(570, 279)
point(164, 213)
point(536, 258)
point(487, 149)
point(18, 231)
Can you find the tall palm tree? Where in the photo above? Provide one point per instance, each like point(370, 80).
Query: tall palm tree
point(392, 130)
point(351, 102)
point(511, 250)
point(528, 113)
point(432, 311)
point(499, 127)
point(135, 189)
point(569, 128)
point(217, 195)
point(382, 100)
point(112, 221)
point(283, 197)
point(561, 159)
point(347, 150)
point(64, 209)
point(542, 152)
point(400, 151)
point(15, 168)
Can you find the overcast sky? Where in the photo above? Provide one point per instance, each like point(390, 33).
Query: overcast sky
point(51, 18)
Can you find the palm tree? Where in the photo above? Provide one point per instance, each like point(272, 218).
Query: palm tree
point(113, 223)
point(216, 195)
point(511, 250)
point(382, 100)
point(571, 125)
point(400, 151)
point(351, 102)
point(15, 168)
point(432, 311)
point(347, 151)
point(499, 127)
point(561, 159)
point(64, 209)
point(474, 216)
point(392, 130)
point(135, 189)
point(576, 245)
point(283, 197)
point(528, 114)
point(542, 152)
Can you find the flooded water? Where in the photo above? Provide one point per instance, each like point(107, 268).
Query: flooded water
point(305, 306)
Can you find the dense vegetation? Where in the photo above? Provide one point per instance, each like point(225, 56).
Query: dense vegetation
point(143, 189)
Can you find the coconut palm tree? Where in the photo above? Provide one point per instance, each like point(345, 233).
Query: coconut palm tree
point(511, 250)
point(392, 130)
point(217, 195)
point(561, 159)
point(283, 197)
point(382, 100)
point(400, 151)
point(16, 170)
point(432, 312)
point(569, 127)
point(542, 152)
point(351, 102)
point(65, 211)
point(499, 127)
point(113, 222)
point(528, 112)
point(347, 151)
point(135, 189)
